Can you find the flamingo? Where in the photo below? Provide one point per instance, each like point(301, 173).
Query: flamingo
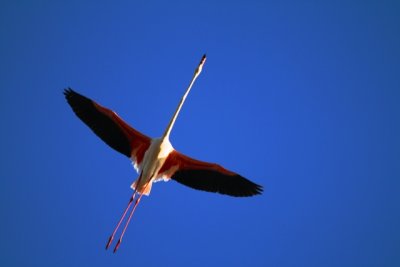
point(154, 158)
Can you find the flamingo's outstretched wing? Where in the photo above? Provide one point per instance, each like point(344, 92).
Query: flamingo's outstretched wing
point(107, 125)
point(207, 176)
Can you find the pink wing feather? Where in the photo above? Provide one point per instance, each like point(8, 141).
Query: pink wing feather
point(206, 176)
point(107, 125)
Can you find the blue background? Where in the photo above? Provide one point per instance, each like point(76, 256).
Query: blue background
point(299, 96)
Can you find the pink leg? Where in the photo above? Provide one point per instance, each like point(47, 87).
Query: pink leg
point(127, 223)
point(120, 220)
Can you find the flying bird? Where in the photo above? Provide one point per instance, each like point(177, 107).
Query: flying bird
point(154, 158)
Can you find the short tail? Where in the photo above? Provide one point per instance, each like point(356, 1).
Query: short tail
point(144, 190)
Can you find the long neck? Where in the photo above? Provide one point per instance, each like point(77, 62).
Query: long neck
point(178, 109)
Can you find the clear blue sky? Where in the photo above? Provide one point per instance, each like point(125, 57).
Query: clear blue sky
point(302, 98)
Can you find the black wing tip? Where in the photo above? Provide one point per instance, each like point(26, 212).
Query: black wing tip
point(251, 190)
point(68, 91)
point(76, 100)
point(69, 94)
point(213, 181)
point(258, 190)
point(248, 192)
point(246, 188)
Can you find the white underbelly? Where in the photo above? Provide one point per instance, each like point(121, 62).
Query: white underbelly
point(153, 160)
